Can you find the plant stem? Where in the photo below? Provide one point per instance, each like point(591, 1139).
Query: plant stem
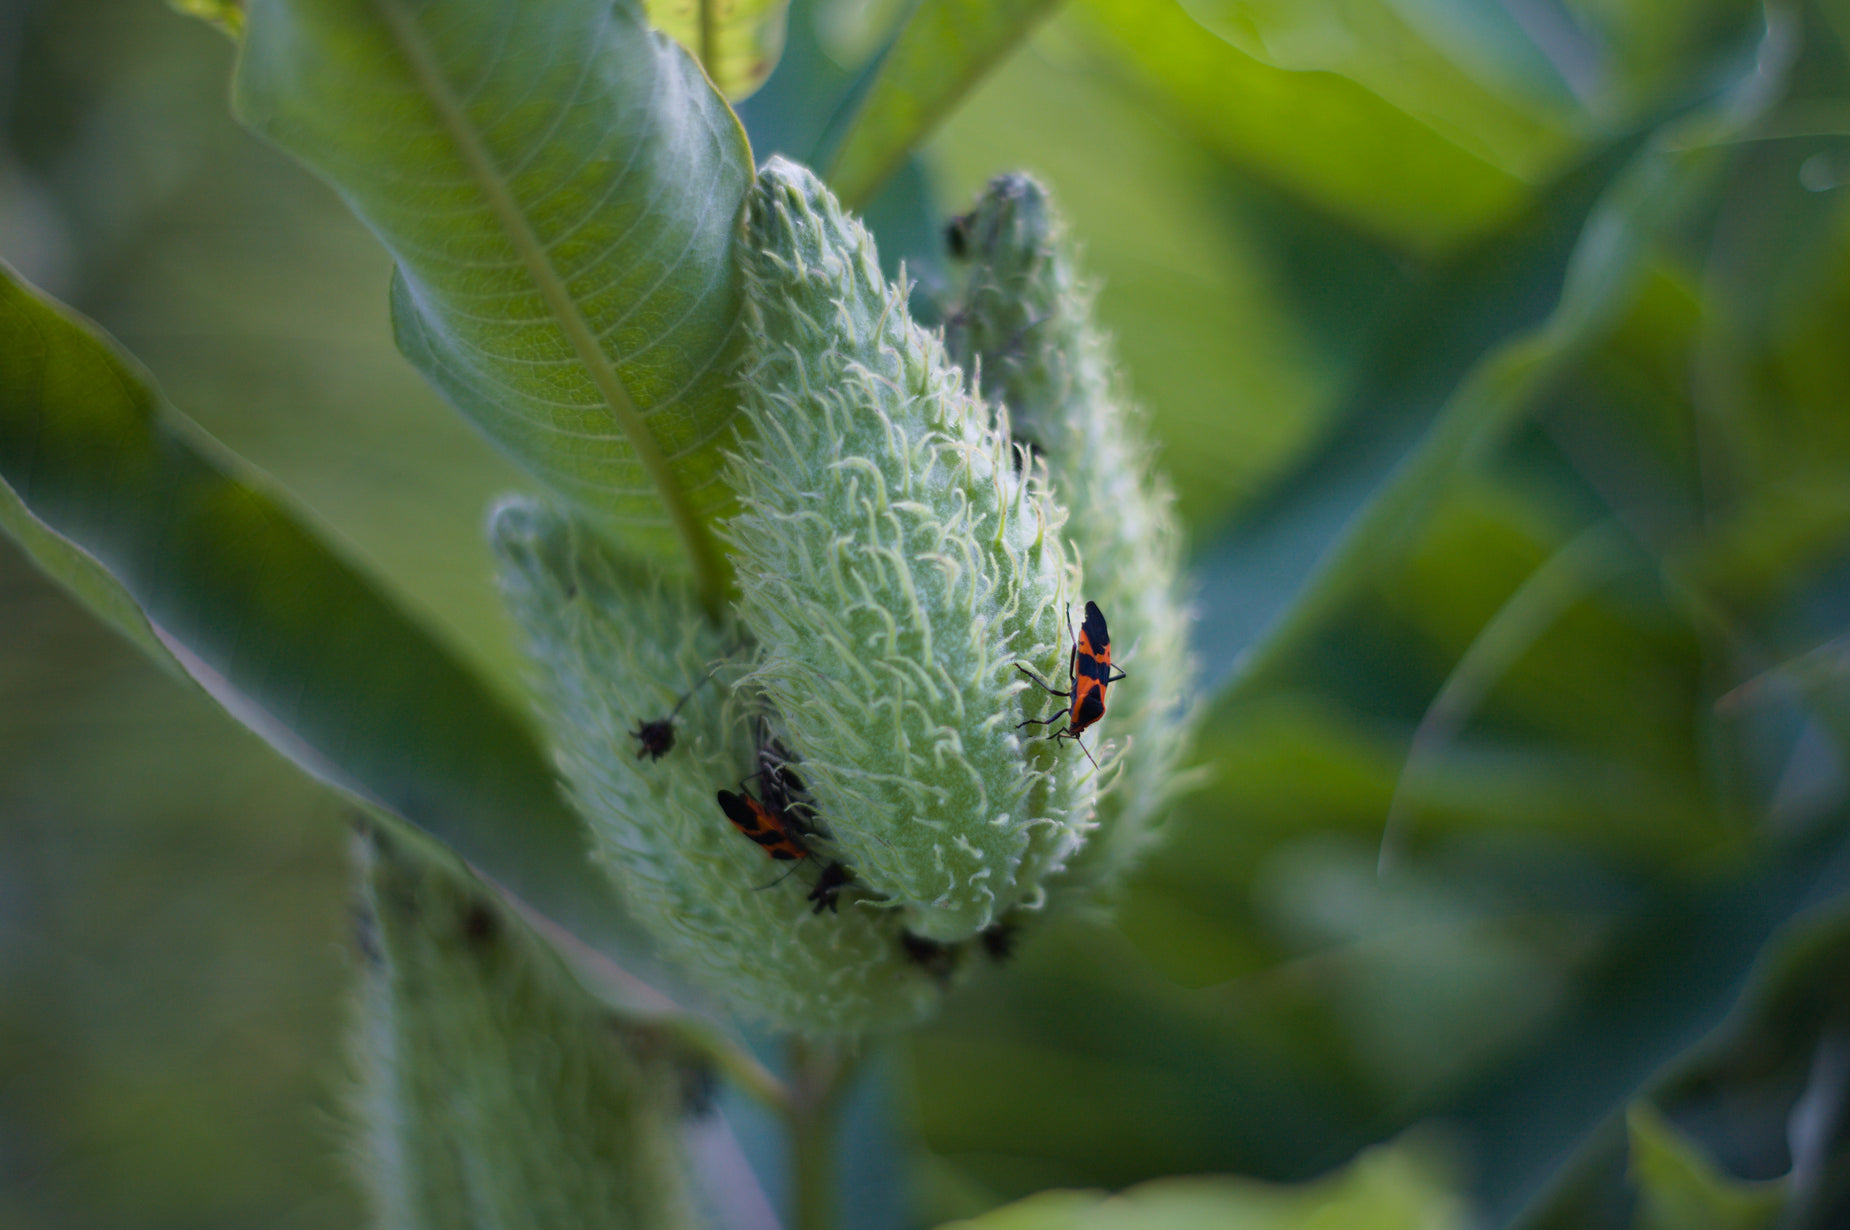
point(731, 1061)
point(708, 51)
point(818, 1075)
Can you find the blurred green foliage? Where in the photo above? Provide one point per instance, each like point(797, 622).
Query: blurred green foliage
point(172, 971)
point(1616, 862)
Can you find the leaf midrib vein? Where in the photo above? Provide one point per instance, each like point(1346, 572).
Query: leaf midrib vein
point(533, 257)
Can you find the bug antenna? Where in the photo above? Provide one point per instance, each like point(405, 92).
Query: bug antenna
point(698, 684)
point(779, 880)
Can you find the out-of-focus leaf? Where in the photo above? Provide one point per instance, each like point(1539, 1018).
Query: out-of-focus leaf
point(227, 15)
point(1602, 803)
point(1765, 1091)
point(1320, 135)
point(1610, 681)
point(1350, 517)
point(736, 41)
point(559, 185)
point(872, 1164)
point(1541, 599)
point(492, 1090)
point(1680, 1187)
point(1390, 1188)
point(84, 577)
point(1257, 569)
point(790, 115)
point(288, 637)
point(1684, 960)
point(1085, 1060)
point(1468, 71)
point(1653, 49)
point(875, 1161)
point(944, 48)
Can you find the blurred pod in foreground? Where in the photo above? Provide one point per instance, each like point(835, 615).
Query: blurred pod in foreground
point(492, 1089)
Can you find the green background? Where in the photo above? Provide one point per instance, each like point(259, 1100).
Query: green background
point(1308, 223)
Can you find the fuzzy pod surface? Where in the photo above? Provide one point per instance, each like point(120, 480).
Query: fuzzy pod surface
point(615, 650)
point(493, 1090)
point(894, 567)
point(1024, 321)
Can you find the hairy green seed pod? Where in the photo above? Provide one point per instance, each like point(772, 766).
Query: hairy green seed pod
point(894, 567)
point(494, 1091)
point(615, 650)
point(1024, 322)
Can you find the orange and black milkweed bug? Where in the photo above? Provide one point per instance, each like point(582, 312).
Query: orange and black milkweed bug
point(770, 829)
point(1090, 671)
point(780, 836)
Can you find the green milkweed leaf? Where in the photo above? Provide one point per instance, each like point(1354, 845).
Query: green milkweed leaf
point(84, 577)
point(1255, 575)
point(1324, 136)
point(559, 185)
point(1682, 1186)
point(130, 507)
point(1683, 963)
point(1346, 518)
point(1390, 1187)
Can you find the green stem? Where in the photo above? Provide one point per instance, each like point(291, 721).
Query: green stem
point(818, 1077)
point(708, 52)
point(732, 1062)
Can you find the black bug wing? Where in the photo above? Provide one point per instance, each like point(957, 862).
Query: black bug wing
point(1096, 636)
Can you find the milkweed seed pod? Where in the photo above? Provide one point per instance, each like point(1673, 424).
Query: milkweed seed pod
point(491, 1089)
point(1024, 322)
point(613, 649)
point(894, 566)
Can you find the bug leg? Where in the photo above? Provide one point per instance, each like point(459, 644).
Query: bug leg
point(1044, 685)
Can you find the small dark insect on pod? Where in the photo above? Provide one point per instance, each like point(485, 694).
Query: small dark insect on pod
point(938, 960)
point(655, 737)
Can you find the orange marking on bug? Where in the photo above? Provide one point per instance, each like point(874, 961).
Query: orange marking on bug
point(1090, 673)
point(770, 830)
point(779, 835)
